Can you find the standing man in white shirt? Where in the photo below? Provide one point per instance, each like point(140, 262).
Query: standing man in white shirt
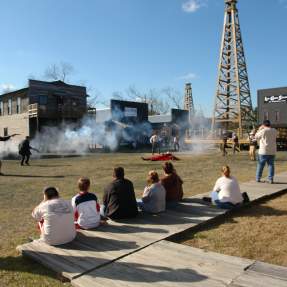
point(266, 137)
point(155, 143)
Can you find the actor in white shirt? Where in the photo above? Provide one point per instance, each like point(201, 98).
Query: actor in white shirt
point(266, 137)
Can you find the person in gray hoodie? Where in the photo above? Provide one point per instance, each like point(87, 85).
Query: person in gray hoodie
point(153, 198)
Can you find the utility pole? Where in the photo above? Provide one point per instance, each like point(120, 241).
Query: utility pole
point(232, 105)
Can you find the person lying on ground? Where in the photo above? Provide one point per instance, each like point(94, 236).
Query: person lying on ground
point(119, 200)
point(153, 199)
point(172, 184)
point(86, 207)
point(226, 192)
point(161, 157)
point(55, 218)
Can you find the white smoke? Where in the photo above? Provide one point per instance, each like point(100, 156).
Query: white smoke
point(88, 135)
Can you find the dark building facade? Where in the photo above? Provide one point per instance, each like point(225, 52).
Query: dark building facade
point(272, 105)
point(41, 104)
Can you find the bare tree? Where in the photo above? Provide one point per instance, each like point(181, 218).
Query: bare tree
point(58, 72)
point(152, 97)
point(174, 96)
point(93, 98)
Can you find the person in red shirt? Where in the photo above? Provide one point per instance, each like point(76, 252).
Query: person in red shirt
point(172, 184)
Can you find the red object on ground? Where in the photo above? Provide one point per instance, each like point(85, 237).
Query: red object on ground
point(161, 157)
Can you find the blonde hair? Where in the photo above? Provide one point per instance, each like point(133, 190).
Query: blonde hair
point(152, 177)
point(226, 170)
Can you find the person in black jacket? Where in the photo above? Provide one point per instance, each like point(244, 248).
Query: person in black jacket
point(3, 139)
point(25, 150)
point(119, 197)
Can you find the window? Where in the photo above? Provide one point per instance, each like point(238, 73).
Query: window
point(9, 106)
point(5, 132)
point(43, 100)
point(1, 109)
point(277, 116)
point(18, 105)
point(266, 116)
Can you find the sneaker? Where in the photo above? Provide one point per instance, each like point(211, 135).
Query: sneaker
point(271, 181)
point(258, 180)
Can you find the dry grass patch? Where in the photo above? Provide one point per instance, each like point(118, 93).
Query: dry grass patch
point(255, 232)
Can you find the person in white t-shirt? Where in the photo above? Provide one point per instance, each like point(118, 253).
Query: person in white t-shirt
point(226, 192)
point(86, 206)
point(155, 143)
point(266, 136)
point(55, 218)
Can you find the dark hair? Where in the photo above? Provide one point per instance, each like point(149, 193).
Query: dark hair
point(267, 123)
point(51, 192)
point(119, 172)
point(84, 183)
point(168, 168)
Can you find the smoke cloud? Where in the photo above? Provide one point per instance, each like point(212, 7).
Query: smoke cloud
point(80, 139)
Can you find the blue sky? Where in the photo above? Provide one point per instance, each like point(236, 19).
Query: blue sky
point(114, 44)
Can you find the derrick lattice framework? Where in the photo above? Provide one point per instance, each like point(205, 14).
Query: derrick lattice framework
point(188, 101)
point(233, 105)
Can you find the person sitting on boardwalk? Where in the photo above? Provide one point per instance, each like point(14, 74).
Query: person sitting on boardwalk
point(226, 192)
point(119, 197)
point(172, 184)
point(153, 199)
point(161, 157)
point(86, 206)
point(55, 218)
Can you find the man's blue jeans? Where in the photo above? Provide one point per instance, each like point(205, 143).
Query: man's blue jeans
point(262, 160)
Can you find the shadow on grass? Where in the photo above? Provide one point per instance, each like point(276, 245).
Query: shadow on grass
point(34, 176)
point(48, 165)
point(24, 265)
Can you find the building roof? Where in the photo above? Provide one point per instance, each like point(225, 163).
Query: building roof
point(14, 92)
point(56, 83)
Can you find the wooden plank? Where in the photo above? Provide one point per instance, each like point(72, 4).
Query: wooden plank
point(132, 274)
point(167, 264)
point(255, 279)
point(270, 270)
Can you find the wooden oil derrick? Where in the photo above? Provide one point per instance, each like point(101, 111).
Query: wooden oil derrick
point(233, 105)
point(188, 101)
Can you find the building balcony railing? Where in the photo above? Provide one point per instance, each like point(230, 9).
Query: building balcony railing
point(44, 111)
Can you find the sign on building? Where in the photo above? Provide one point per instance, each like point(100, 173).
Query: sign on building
point(131, 112)
point(275, 99)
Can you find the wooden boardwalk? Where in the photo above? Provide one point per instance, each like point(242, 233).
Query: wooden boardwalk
point(135, 253)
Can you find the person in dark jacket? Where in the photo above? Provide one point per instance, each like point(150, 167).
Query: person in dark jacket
point(119, 197)
point(172, 184)
point(3, 139)
point(25, 151)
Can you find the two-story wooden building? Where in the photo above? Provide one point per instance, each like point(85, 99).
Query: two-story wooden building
point(41, 104)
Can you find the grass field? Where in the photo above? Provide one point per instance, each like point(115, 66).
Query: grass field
point(256, 232)
point(21, 190)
